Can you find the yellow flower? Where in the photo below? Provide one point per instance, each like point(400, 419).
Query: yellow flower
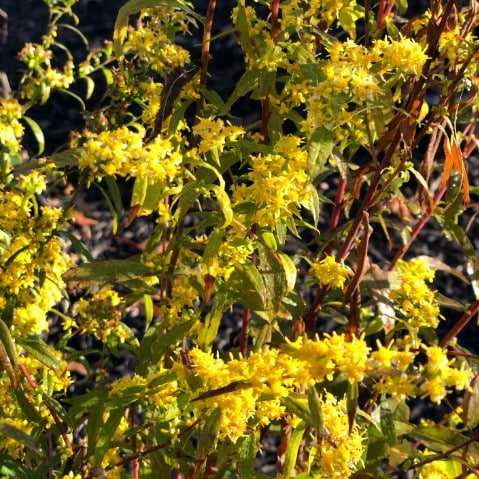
point(329, 272)
point(339, 452)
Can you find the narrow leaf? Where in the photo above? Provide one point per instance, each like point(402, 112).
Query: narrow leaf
point(11, 432)
point(292, 450)
point(155, 342)
point(37, 133)
point(207, 435)
point(247, 456)
point(112, 270)
point(41, 351)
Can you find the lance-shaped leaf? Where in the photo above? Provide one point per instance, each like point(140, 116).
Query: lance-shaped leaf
point(247, 455)
point(41, 351)
point(8, 354)
point(113, 270)
point(209, 432)
point(10, 432)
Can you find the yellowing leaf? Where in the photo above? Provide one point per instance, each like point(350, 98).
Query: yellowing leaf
point(453, 154)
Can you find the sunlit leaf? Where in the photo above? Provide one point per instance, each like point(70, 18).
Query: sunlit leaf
point(112, 270)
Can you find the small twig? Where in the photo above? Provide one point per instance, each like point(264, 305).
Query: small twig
point(461, 324)
point(446, 454)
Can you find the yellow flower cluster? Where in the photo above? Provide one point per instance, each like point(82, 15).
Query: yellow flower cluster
point(234, 251)
point(280, 184)
point(413, 298)
point(183, 303)
point(151, 41)
point(329, 272)
point(215, 135)
point(440, 374)
point(11, 130)
point(250, 390)
point(30, 251)
point(340, 451)
point(264, 373)
point(9, 443)
point(44, 76)
point(101, 316)
point(123, 152)
point(323, 358)
point(322, 13)
point(355, 75)
point(398, 375)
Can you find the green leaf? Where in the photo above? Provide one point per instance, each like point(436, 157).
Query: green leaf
point(155, 342)
point(177, 116)
point(224, 203)
point(312, 204)
point(37, 133)
point(292, 450)
point(8, 343)
point(438, 438)
point(60, 160)
point(207, 435)
point(10, 432)
point(248, 283)
point(247, 455)
point(275, 286)
point(60, 411)
point(244, 85)
point(149, 310)
point(268, 239)
point(155, 192)
point(93, 400)
point(244, 37)
point(348, 16)
point(214, 242)
point(294, 405)
point(78, 246)
point(27, 407)
point(222, 301)
point(116, 209)
point(215, 99)
point(90, 87)
point(471, 405)
point(387, 426)
point(314, 406)
point(320, 148)
point(106, 435)
point(74, 96)
point(290, 271)
point(41, 351)
point(113, 270)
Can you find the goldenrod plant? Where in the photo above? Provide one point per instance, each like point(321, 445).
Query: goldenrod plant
point(359, 134)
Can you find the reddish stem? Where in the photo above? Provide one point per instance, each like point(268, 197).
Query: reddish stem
point(205, 51)
point(461, 324)
point(338, 204)
point(275, 20)
point(244, 338)
point(135, 463)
